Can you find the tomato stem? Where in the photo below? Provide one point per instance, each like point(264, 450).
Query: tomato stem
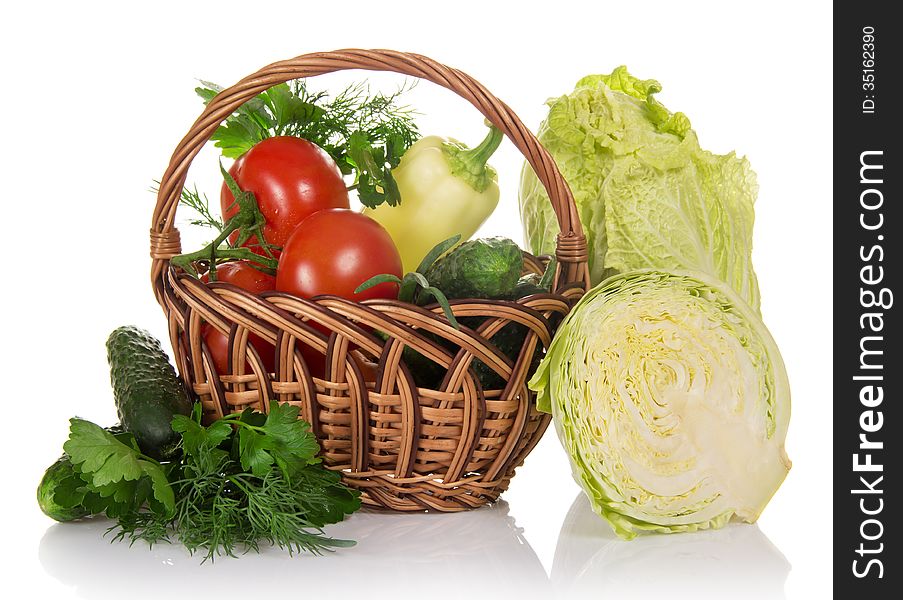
point(248, 222)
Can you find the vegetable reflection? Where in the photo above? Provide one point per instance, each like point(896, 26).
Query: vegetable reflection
point(736, 562)
point(397, 555)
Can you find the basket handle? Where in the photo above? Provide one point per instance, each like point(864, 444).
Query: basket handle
point(165, 243)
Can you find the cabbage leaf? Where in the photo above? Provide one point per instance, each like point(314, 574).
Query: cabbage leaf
point(672, 401)
point(648, 196)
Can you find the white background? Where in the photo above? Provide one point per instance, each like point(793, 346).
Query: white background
point(96, 96)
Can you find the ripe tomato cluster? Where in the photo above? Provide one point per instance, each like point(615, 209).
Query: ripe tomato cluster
point(323, 247)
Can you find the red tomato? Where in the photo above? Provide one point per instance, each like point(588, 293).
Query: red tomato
point(291, 178)
point(333, 252)
point(243, 275)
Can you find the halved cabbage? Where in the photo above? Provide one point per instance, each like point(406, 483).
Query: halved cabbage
point(672, 401)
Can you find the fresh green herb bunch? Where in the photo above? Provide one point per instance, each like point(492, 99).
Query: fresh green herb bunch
point(365, 133)
point(245, 479)
point(110, 475)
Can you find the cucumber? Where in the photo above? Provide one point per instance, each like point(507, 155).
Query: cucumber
point(482, 268)
point(147, 391)
point(55, 474)
point(512, 336)
point(486, 268)
point(527, 286)
point(509, 340)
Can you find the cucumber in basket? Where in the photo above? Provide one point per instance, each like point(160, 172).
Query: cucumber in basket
point(146, 389)
point(481, 268)
point(485, 268)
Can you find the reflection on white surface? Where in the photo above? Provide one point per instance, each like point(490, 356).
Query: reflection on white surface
point(735, 562)
point(397, 556)
point(481, 553)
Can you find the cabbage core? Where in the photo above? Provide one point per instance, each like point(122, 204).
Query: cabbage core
point(672, 401)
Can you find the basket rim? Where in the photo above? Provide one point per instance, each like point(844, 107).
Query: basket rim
point(326, 304)
point(165, 241)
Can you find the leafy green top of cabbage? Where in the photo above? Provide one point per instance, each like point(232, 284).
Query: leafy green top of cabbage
point(672, 401)
point(647, 194)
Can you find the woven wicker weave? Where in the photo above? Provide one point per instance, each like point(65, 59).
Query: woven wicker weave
point(407, 448)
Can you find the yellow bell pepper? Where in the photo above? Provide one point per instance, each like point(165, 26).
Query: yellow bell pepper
point(445, 188)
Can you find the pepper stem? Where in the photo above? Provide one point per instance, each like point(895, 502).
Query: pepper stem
point(481, 153)
point(470, 165)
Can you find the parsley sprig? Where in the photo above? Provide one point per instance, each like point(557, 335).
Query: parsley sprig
point(365, 133)
point(111, 475)
point(246, 479)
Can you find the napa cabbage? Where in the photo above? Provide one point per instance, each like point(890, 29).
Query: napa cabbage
point(647, 194)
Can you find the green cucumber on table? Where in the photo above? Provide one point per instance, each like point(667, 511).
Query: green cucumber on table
point(146, 390)
point(55, 474)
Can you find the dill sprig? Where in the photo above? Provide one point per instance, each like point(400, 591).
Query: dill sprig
point(197, 202)
point(365, 133)
point(200, 205)
point(245, 480)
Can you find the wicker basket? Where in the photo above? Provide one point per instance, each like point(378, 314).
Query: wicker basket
point(406, 448)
